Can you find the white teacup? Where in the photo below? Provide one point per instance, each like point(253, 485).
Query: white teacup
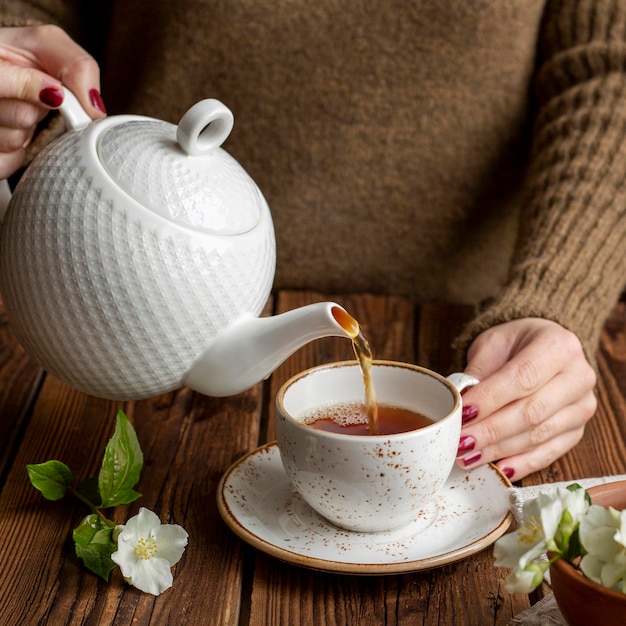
point(370, 483)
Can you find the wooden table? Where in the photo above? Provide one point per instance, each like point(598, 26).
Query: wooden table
point(189, 441)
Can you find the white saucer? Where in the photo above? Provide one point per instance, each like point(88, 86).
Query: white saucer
point(257, 501)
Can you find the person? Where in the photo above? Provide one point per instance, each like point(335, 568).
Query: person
point(446, 151)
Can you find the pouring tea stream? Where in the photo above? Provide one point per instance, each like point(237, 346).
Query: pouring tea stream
point(136, 257)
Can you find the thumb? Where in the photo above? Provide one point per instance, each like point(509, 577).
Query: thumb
point(489, 352)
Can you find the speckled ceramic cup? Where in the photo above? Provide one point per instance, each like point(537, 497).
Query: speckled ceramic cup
point(370, 483)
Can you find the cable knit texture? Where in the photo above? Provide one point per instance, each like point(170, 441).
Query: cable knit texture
point(447, 151)
point(569, 261)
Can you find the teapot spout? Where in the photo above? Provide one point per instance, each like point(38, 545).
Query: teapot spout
point(251, 348)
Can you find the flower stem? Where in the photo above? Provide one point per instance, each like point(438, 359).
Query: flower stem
point(92, 506)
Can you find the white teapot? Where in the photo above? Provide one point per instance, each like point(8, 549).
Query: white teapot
point(136, 256)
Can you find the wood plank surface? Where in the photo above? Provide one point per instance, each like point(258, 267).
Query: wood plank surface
point(20, 379)
point(189, 441)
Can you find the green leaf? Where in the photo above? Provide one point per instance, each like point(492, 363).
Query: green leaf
point(94, 544)
point(575, 548)
point(52, 478)
point(121, 465)
point(574, 487)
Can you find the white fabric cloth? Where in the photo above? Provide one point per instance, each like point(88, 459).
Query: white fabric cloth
point(543, 613)
point(519, 495)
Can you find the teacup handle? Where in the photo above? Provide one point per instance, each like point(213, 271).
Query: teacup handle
point(461, 381)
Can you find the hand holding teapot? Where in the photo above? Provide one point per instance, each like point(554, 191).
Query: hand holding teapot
point(136, 257)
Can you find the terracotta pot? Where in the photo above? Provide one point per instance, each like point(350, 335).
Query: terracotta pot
point(581, 601)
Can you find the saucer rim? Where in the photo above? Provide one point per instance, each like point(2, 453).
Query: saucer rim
point(343, 567)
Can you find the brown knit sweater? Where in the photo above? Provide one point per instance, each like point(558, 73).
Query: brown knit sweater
point(403, 146)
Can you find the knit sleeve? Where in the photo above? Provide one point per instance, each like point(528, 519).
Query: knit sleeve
point(569, 264)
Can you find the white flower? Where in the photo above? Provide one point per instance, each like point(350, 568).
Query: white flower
point(527, 579)
point(574, 501)
point(548, 519)
point(620, 535)
point(147, 549)
point(603, 534)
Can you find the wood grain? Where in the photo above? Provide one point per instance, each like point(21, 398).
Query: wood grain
point(20, 379)
point(189, 441)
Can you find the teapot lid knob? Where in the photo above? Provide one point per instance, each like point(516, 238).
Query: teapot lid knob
point(204, 127)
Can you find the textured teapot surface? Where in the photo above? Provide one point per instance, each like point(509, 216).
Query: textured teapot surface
point(211, 193)
point(150, 161)
point(123, 253)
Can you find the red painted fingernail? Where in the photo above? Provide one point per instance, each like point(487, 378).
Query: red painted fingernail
point(466, 444)
point(469, 413)
point(96, 100)
point(51, 97)
point(508, 472)
point(472, 458)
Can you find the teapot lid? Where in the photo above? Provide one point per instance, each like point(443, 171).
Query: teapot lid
point(180, 172)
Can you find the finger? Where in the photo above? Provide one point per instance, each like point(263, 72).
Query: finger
point(491, 350)
point(566, 425)
point(531, 415)
point(522, 376)
point(45, 58)
point(533, 366)
point(570, 417)
point(12, 139)
point(60, 56)
point(29, 85)
point(522, 465)
point(20, 114)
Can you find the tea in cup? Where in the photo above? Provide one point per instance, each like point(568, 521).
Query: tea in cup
point(369, 482)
